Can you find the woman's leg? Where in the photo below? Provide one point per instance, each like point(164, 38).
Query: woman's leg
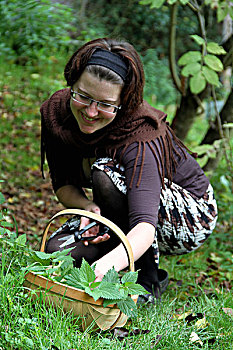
point(113, 205)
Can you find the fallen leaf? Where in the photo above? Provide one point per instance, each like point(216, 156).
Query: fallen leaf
point(202, 323)
point(228, 311)
point(194, 338)
point(122, 333)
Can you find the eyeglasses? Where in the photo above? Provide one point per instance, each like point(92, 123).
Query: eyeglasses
point(87, 101)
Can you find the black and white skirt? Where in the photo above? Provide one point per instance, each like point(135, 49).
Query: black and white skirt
point(185, 221)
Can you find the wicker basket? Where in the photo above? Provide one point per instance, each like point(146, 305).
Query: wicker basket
point(70, 298)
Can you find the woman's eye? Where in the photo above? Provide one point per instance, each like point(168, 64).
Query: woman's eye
point(105, 106)
point(84, 98)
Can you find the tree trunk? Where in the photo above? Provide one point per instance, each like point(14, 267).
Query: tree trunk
point(212, 134)
point(185, 115)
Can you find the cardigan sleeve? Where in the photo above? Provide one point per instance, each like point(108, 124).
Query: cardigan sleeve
point(143, 200)
point(65, 164)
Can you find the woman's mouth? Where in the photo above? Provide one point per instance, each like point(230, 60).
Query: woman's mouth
point(88, 119)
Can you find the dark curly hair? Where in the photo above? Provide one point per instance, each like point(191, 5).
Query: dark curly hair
point(132, 91)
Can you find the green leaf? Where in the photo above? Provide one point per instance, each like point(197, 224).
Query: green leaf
point(153, 3)
point(202, 149)
point(2, 198)
point(197, 83)
point(189, 57)
point(191, 69)
point(202, 161)
point(73, 280)
point(222, 12)
point(94, 293)
point(130, 277)
point(6, 224)
point(171, 2)
point(215, 48)
point(213, 62)
point(199, 40)
point(110, 302)
point(108, 291)
point(128, 307)
point(211, 76)
point(135, 289)
point(86, 273)
point(184, 2)
point(22, 239)
point(111, 276)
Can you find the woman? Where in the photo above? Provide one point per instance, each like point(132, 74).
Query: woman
point(99, 133)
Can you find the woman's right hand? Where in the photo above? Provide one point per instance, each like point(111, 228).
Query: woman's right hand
point(92, 207)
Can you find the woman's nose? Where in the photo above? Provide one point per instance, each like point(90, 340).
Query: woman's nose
point(92, 110)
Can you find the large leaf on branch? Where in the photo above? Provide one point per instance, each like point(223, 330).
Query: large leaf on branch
point(197, 83)
point(153, 3)
point(216, 49)
point(191, 69)
point(213, 62)
point(189, 57)
point(211, 76)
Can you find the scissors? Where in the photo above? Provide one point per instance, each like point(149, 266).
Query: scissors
point(76, 234)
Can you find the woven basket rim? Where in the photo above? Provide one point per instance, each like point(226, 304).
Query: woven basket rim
point(62, 289)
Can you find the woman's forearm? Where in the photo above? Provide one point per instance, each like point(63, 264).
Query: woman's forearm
point(140, 237)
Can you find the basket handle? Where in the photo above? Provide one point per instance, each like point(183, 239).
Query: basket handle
point(116, 230)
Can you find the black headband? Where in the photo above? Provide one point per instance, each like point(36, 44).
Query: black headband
point(109, 60)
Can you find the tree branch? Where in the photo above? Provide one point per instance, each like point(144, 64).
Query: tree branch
point(172, 48)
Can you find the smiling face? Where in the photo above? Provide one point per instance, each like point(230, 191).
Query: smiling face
point(90, 118)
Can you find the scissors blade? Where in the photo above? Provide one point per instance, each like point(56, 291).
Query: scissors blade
point(69, 240)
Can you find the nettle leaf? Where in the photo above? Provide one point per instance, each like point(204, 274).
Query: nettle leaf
point(213, 47)
point(109, 291)
point(197, 83)
point(199, 40)
point(211, 76)
point(191, 69)
point(189, 57)
point(41, 257)
point(74, 282)
point(94, 293)
point(110, 302)
point(128, 307)
point(130, 277)
point(111, 276)
point(135, 289)
point(213, 62)
point(86, 273)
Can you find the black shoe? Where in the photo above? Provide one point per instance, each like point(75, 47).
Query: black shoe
point(163, 283)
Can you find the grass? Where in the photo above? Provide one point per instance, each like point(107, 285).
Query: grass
point(200, 282)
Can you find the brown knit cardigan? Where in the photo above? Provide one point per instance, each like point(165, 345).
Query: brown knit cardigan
point(144, 125)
